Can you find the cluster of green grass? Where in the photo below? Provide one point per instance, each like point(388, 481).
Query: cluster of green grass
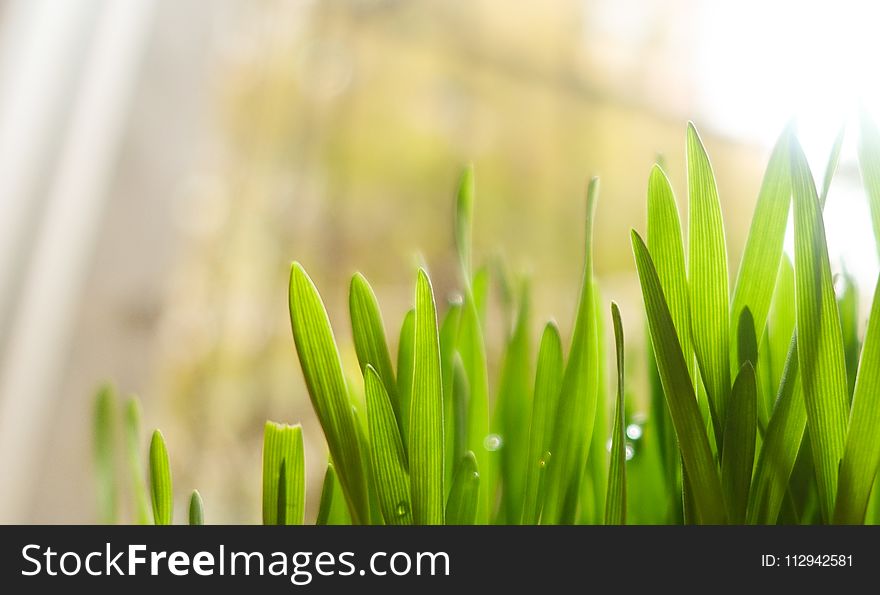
point(764, 402)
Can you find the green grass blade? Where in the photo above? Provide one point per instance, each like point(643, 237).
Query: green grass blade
point(405, 368)
point(196, 509)
point(686, 418)
point(425, 439)
point(160, 481)
point(464, 214)
point(332, 509)
point(387, 454)
point(615, 501)
point(105, 453)
point(283, 475)
point(848, 306)
point(780, 326)
point(738, 454)
point(820, 343)
point(862, 452)
point(512, 408)
point(708, 280)
point(369, 337)
point(454, 429)
point(473, 357)
point(667, 250)
point(322, 369)
point(779, 450)
point(548, 382)
point(763, 250)
point(869, 165)
point(480, 292)
point(594, 488)
point(831, 164)
point(461, 507)
point(132, 430)
point(577, 400)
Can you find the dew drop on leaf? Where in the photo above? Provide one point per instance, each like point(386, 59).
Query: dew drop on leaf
point(492, 442)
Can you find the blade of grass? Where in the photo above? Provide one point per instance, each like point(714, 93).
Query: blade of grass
point(461, 507)
point(780, 325)
point(471, 347)
point(577, 400)
point(820, 343)
point(453, 427)
point(322, 369)
point(196, 509)
point(480, 292)
point(464, 214)
point(548, 382)
point(615, 501)
point(708, 280)
point(862, 451)
point(512, 408)
point(763, 250)
point(848, 306)
point(405, 368)
point(369, 337)
point(738, 455)
point(160, 481)
point(283, 475)
point(595, 487)
point(132, 429)
point(779, 450)
point(332, 509)
point(667, 250)
point(104, 452)
point(694, 444)
point(425, 446)
point(387, 453)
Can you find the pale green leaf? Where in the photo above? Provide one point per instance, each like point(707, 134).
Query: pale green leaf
point(576, 409)
point(283, 474)
point(368, 331)
point(160, 481)
point(862, 451)
point(820, 343)
point(322, 370)
point(763, 250)
point(548, 382)
point(461, 507)
point(387, 454)
point(708, 280)
point(196, 509)
point(425, 445)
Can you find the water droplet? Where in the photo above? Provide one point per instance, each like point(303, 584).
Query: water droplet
point(492, 442)
point(633, 431)
point(609, 444)
point(542, 462)
point(476, 475)
point(402, 509)
point(630, 451)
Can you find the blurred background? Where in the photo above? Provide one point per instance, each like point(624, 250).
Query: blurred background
point(162, 162)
